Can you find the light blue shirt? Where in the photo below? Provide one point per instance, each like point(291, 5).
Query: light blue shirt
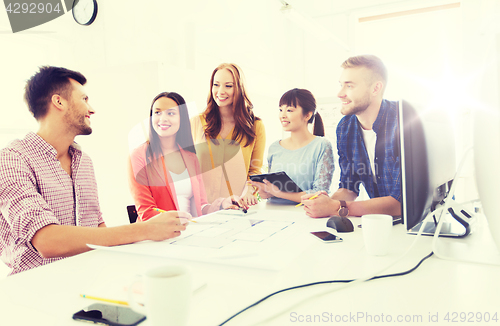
point(310, 167)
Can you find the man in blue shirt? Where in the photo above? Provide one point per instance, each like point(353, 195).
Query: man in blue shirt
point(368, 145)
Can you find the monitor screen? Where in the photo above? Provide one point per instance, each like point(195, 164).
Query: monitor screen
point(427, 161)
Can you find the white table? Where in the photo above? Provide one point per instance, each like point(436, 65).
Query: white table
point(49, 295)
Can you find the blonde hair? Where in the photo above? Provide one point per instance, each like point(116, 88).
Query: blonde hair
point(371, 62)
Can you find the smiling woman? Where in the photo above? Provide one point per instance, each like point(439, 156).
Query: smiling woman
point(229, 138)
point(164, 172)
point(306, 158)
point(166, 118)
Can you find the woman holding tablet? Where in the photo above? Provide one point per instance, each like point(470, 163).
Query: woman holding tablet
point(164, 172)
point(230, 140)
point(306, 158)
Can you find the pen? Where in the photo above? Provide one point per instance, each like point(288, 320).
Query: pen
point(241, 208)
point(313, 197)
point(162, 211)
point(103, 299)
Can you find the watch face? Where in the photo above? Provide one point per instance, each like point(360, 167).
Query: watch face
point(85, 11)
point(343, 210)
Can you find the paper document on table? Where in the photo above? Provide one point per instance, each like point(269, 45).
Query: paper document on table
point(265, 240)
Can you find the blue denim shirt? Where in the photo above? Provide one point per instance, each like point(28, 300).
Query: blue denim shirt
point(353, 157)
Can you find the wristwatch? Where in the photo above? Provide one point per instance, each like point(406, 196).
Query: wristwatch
point(343, 210)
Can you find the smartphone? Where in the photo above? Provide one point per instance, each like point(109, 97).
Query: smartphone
point(109, 315)
point(327, 237)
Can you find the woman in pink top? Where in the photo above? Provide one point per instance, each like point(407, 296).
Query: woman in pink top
point(164, 172)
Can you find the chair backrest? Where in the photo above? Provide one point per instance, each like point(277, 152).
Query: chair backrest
point(132, 213)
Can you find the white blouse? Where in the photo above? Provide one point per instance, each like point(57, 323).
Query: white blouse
point(184, 190)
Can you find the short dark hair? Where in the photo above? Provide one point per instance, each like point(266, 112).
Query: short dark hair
point(47, 82)
point(305, 99)
point(370, 62)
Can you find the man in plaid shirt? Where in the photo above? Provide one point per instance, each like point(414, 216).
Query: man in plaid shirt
point(49, 207)
point(368, 145)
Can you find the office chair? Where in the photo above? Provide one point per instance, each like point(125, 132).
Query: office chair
point(132, 213)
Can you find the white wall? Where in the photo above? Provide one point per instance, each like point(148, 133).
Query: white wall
point(134, 50)
point(434, 60)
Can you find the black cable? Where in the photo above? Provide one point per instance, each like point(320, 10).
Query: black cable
point(403, 273)
point(325, 282)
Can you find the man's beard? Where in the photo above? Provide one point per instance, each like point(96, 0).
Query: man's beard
point(77, 123)
point(359, 108)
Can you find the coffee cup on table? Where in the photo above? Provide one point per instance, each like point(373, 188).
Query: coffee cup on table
point(167, 295)
point(377, 229)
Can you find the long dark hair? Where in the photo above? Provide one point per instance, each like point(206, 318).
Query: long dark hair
point(244, 118)
point(183, 137)
point(304, 98)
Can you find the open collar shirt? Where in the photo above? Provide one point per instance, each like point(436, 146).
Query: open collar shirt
point(353, 157)
point(35, 191)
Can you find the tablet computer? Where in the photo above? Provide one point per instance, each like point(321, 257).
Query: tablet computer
point(279, 179)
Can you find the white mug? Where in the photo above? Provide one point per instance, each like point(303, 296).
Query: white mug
point(167, 293)
point(377, 229)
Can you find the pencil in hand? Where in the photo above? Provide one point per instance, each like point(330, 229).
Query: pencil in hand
point(313, 197)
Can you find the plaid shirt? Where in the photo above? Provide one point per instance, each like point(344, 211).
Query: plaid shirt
point(35, 191)
point(353, 157)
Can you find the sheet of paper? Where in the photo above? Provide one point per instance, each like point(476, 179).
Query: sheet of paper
point(263, 240)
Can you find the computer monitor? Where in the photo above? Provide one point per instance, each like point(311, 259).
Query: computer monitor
point(427, 168)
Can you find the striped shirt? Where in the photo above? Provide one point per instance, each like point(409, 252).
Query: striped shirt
point(353, 156)
point(36, 191)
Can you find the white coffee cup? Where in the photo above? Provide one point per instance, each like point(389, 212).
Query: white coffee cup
point(167, 293)
point(377, 230)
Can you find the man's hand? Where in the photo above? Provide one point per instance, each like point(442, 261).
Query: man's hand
point(321, 206)
point(167, 225)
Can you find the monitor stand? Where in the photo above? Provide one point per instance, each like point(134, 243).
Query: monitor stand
point(467, 238)
point(456, 225)
point(478, 247)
